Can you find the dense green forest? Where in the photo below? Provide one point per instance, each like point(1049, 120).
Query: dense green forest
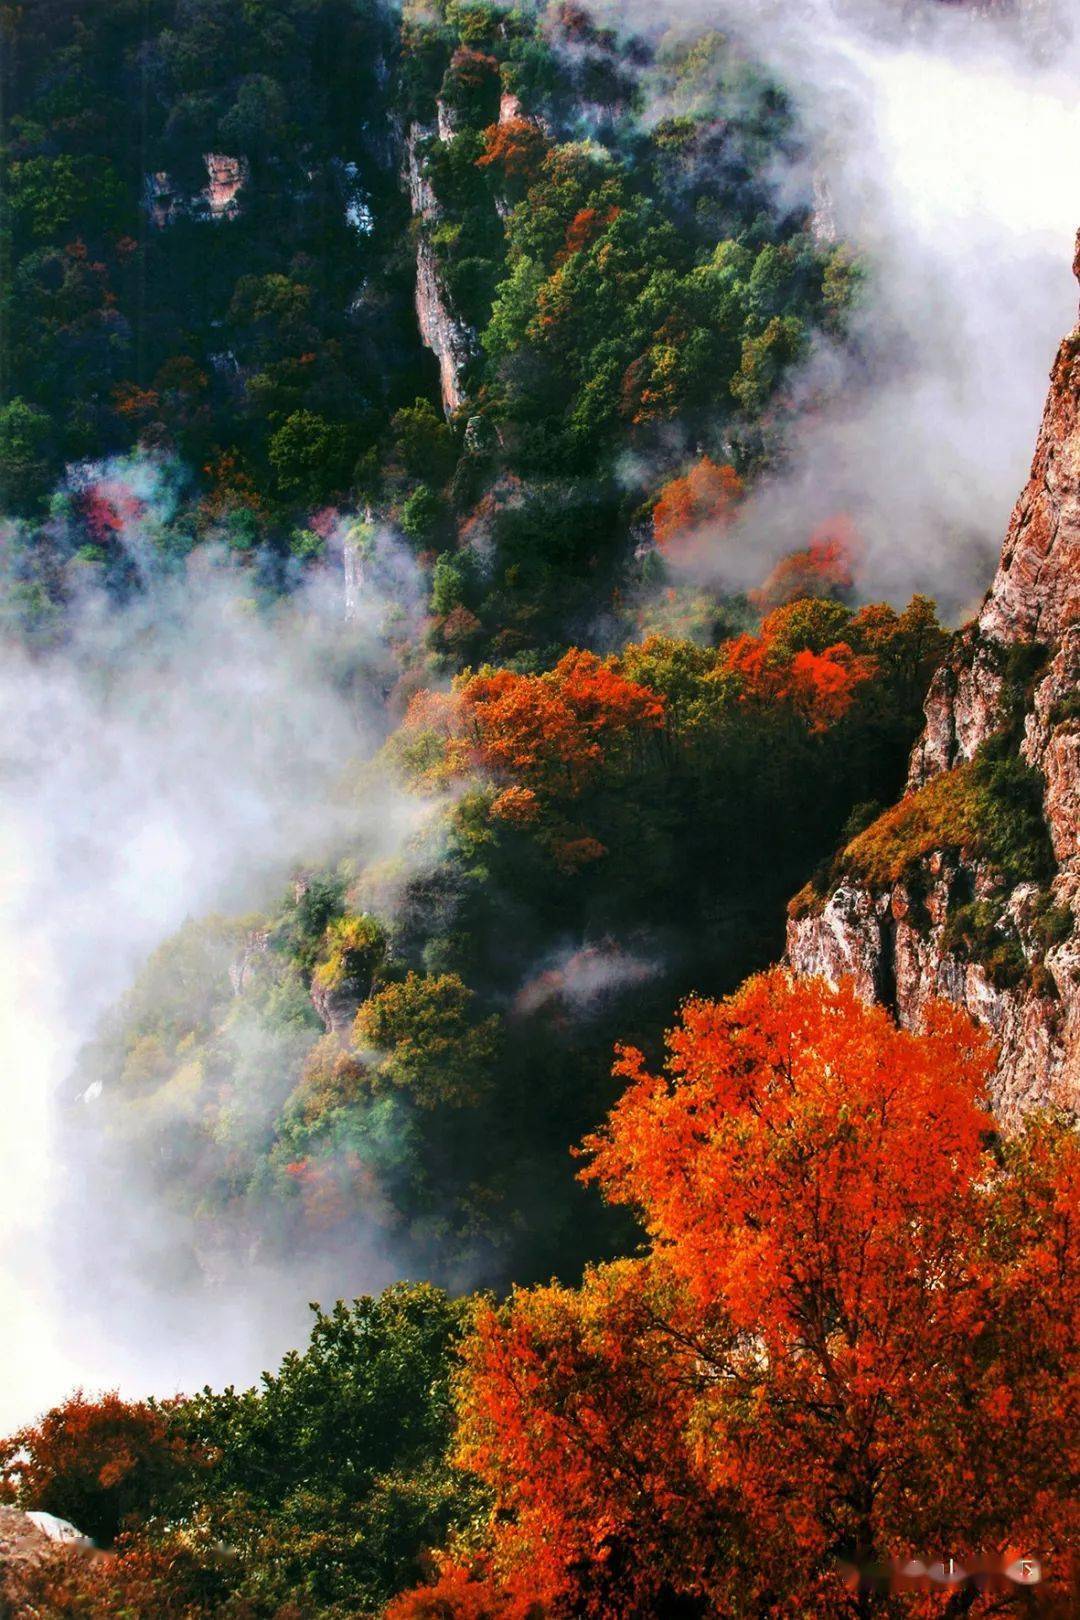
point(515, 296)
point(620, 284)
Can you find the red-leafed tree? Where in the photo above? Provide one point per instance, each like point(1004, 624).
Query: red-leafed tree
point(514, 150)
point(108, 508)
point(707, 497)
point(552, 732)
point(854, 1336)
point(471, 85)
point(540, 735)
point(824, 567)
point(97, 1462)
point(544, 741)
point(800, 658)
point(586, 225)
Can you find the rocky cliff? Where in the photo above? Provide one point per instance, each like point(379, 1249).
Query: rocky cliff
point(970, 887)
point(220, 198)
point(451, 340)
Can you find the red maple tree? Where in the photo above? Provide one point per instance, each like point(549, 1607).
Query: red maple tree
point(854, 1335)
point(96, 1461)
point(586, 225)
point(515, 149)
point(818, 681)
point(824, 567)
point(542, 736)
point(707, 497)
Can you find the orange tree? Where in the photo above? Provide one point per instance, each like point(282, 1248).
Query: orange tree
point(707, 496)
point(853, 1335)
point(98, 1462)
point(543, 739)
point(797, 659)
point(514, 149)
point(824, 567)
point(555, 730)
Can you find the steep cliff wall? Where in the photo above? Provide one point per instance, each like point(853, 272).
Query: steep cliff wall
point(451, 341)
point(992, 925)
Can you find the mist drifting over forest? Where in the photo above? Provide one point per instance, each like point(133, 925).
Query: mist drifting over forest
point(180, 754)
point(487, 489)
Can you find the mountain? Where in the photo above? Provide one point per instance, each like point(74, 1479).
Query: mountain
point(969, 887)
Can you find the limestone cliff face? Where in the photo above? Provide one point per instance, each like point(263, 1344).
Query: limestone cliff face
point(226, 178)
point(220, 198)
point(451, 340)
point(895, 940)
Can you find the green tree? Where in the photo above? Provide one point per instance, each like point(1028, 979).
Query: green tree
point(311, 457)
point(54, 194)
point(765, 359)
point(448, 584)
point(257, 121)
point(354, 954)
point(423, 443)
point(25, 460)
point(331, 1478)
point(422, 514)
point(433, 1044)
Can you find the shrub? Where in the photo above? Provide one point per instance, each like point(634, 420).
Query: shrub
point(432, 1042)
point(987, 809)
point(354, 952)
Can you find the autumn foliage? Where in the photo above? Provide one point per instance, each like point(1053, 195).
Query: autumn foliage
point(706, 497)
point(586, 225)
point(545, 735)
point(109, 508)
point(788, 662)
point(825, 567)
point(853, 1337)
point(96, 1462)
point(555, 728)
point(514, 149)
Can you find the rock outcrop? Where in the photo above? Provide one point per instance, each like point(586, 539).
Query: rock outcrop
point(31, 1544)
point(337, 1001)
point(226, 178)
point(1013, 674)
point(352, 552)
point(219, 199)
point(252, 956)
point(451, 340)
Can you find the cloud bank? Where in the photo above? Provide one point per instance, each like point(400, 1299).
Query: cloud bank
point(942, 142)
point(173, 759)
